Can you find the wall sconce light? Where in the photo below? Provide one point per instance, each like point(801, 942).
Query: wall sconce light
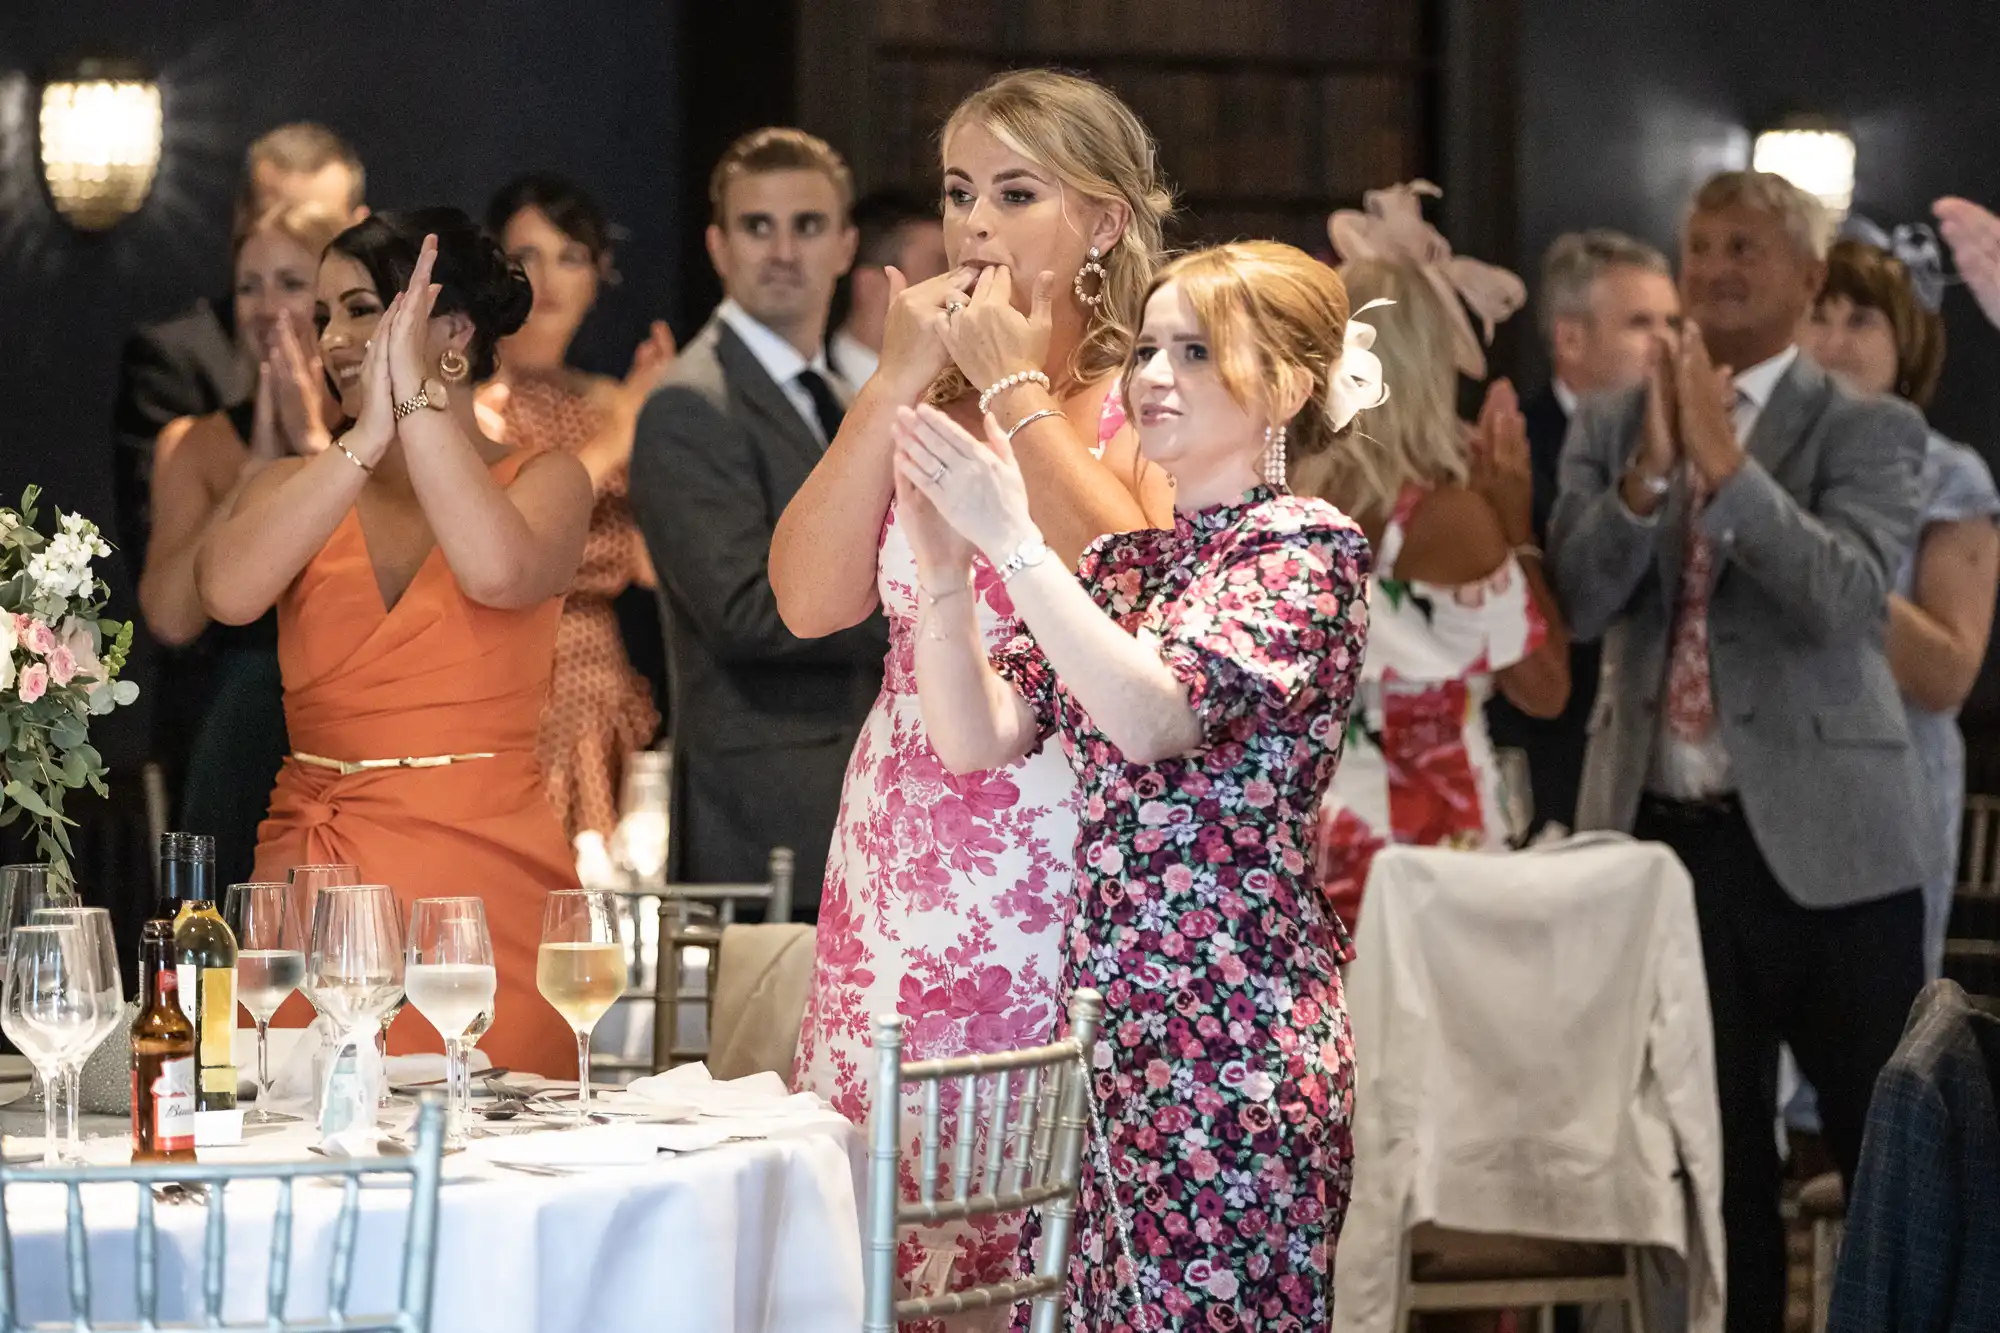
point(100, 141)
point(1812, 154)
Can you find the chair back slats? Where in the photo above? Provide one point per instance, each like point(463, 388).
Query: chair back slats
point(1034, 1122)
point(679, 928)
point(147, 1249)
point(77, 1250)
point(1978, 872)
point(423, 1169)
point(278, 1285)
point(214, 1244)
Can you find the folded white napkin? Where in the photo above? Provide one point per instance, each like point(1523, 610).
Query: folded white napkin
point(600, 1145)
point(755, 1096)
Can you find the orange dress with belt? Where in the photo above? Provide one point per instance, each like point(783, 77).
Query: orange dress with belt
point(435, 674)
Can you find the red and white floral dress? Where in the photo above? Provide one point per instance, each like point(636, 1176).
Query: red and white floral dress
point(947, 900)
point(1419, 768)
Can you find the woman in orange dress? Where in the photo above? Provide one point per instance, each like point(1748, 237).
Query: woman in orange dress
point(600, 709)
point(418, 569)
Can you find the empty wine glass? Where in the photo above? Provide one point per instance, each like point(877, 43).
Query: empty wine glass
point(270, 963)
point(24, 890)
point(98, 968)
point(306, 882)
point(49, 1008)
point(354, 963)
point(580, 969)
point(450, 980)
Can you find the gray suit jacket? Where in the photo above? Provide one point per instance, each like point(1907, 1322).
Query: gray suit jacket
point(763, 721)
point(1805, 537)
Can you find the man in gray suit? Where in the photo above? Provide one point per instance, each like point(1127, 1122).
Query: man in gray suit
point(763, 722)
point(1729, 530)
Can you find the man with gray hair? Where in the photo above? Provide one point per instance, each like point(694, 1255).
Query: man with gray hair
point(1730, 530)
point(1606, 301)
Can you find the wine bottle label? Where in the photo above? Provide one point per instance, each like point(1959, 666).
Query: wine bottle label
point(218, 1021)
point(173, 1105)
point(187, 988)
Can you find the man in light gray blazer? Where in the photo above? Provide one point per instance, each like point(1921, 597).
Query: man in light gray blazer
point(1729, 531)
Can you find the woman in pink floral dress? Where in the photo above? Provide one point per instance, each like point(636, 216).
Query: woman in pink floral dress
point(946, 894)
point(1199, 680)
point(1457, 600)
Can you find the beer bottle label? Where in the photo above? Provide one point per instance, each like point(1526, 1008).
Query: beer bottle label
point(173, 1105)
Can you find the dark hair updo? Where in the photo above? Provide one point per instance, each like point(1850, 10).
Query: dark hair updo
point(567, 205)
point(474, 275)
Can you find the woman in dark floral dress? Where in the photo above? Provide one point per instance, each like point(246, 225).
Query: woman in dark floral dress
point(1199, 679)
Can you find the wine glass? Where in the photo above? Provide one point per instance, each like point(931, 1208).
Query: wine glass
point(450, 980)
point(354, 963)
point(98, 967)
point(306, 882)
point(49, 1007)
point(270, 963)
point(580, 969)
point(24, 890)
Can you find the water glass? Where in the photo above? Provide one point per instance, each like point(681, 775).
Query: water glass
point(98, 969)
point(354, 961)
point(450, 979)
point(270, 963)
point(49, 1008)
point(581, 970)
point(640, 842)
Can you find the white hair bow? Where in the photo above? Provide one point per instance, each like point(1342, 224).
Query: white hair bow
point(1356, 382)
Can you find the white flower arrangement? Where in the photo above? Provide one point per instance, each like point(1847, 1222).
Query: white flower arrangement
point(56, 671)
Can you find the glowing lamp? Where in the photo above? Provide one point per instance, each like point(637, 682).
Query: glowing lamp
point(1813, 156)
point(100, 141)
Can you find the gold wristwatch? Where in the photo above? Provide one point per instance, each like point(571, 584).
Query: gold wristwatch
point(431, 393)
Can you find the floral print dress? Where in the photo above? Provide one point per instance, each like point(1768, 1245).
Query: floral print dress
point(1223, 1086)
point(1420, 768)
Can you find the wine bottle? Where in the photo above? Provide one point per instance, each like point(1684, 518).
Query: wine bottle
point(163, 1056)
point(205, 957)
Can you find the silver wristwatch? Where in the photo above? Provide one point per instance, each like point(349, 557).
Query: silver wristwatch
point(1031, 551)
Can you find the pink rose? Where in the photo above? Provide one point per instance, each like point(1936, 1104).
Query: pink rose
point(34, 683)
point(62, 665)
point(41, 640)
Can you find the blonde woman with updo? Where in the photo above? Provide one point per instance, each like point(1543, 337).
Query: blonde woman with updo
point(1199, 680)
point(1459, 603)
point(946, 894)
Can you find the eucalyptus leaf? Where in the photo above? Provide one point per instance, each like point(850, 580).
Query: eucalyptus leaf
point(68, 731)
point(6, 733)
point(28, 799)
point(124, 692)
point(74, 769)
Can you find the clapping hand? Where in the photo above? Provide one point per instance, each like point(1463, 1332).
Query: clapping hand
point(1973, 233)
point(976, 486)
point(296, 384)
point(1704, 401)
point(651, 361)
point(1502, 468)
point(989, 338)
point(405, 327)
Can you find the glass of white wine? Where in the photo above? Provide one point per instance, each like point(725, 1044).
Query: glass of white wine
point(450, 980)
point(581, 969)
point(270, 963)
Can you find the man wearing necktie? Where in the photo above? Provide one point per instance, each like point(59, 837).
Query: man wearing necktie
point(1729, 530)
point(763, 722)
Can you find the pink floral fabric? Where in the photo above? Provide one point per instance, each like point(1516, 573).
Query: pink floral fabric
point(1224, 1083)
point(946, 899)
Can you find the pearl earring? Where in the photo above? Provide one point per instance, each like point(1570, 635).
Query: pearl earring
point(1274, 457)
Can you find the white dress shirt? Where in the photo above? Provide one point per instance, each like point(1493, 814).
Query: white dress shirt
point(782, 362)
point(855, 359)
point(1685, 770)
point(1566, 397)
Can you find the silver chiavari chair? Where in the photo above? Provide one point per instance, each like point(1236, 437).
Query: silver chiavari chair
point(694, 916)
point(1034, 1132)
point(412, 1315)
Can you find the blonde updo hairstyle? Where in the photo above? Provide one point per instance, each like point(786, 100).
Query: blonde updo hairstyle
point(1089, 140)
point(1276, 322)
point(1416, 436)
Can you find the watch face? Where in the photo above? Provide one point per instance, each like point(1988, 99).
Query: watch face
point(434, 394)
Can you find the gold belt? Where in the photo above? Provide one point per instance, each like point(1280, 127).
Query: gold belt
point(344, 767)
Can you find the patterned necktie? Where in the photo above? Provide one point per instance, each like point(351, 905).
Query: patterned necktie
point(826, 406)
point(1690, 692)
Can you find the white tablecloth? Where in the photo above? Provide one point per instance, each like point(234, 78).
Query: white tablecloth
point(748, 1236)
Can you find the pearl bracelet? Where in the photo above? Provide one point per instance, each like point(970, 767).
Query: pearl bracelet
point(1017, 378)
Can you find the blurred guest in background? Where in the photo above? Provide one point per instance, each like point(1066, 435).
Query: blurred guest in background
point(599, 708)
point(194, 364)
point(418, 569)
point(1877, 327)
point(895, 229)
point(763, 720)
point(1732, 531)
point(1457, 600)
point(1606, 301)
point(201, 463)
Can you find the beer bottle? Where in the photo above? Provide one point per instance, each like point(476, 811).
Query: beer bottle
point(163, 1057)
